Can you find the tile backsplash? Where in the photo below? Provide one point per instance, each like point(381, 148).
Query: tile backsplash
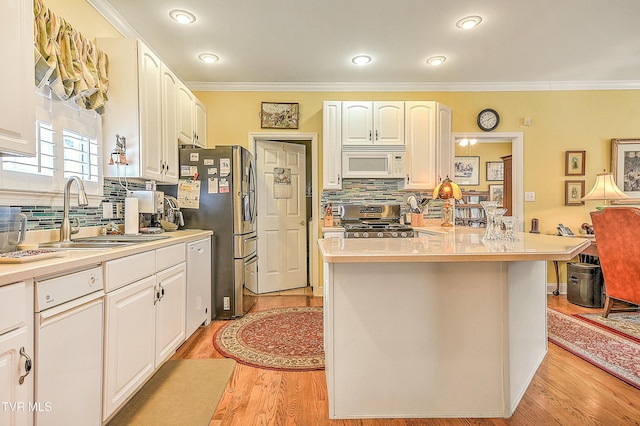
point(369, 191)
point(50, 217)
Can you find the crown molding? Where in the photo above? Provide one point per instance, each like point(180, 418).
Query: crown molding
point(114, 18)
point(527, 86)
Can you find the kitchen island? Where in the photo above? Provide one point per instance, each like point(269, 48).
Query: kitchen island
point(437, 326)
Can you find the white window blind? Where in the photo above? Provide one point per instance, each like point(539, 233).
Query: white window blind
point(68, 143)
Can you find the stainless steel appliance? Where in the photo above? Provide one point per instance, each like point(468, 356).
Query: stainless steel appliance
point(150, 206)
point(226, 205)
point(373, 221)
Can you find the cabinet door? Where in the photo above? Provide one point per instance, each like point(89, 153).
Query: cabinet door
point(445, 147)
point(12, 366)
point(169, 126)
point(201, 123)
point(357, 123)
point(17, 109)
point(129, 341)
point(185, 115)
point(331, 145)
point(421, 150)
point(150, 96)
point(170, 311)
point(388, 123)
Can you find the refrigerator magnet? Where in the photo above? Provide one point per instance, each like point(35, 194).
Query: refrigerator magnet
point(213, 185)
point(188, 171)
point(224, 186)
point(208, 162)
point(194, 156)
point(225, 167)
point(212, 170)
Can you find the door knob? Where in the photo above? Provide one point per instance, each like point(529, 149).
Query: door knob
point(302, 222)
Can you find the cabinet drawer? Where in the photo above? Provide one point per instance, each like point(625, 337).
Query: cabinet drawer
point(120, 272)
point(170, 256)
point(12, 307)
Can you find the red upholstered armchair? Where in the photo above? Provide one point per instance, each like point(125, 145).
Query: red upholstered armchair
point(617, 232)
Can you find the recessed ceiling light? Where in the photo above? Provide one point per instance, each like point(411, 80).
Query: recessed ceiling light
point(361, 59)
point(182, 16)
point(469, 22)
point(436, 60)
point(208, 58)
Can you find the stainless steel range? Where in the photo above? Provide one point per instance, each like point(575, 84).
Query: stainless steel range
point(373, 221)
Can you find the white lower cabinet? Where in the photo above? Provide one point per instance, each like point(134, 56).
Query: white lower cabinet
point(171, 300)
point(16, 352)
point(129, 341)
point(145, 319)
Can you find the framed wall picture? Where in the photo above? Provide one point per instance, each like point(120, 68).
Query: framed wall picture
point(496, 193)
point(573, 192)
point(574, 163)
point(467, 171)
point(495, 171)
point(625, 167)
point(275, 115)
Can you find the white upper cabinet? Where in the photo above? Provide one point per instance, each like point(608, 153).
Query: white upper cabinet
point(168, 156)
point(186, 100)
point(17, 109)
point(428, 132)
point(201, 123)
point(331, 145)
point(191, 118)
point(372, 123)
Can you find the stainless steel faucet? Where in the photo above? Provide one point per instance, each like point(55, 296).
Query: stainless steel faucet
point(65, 228)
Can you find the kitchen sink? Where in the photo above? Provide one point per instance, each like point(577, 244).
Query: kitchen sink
point(84, 245)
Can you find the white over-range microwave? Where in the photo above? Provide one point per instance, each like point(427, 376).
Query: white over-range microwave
point(372, 164)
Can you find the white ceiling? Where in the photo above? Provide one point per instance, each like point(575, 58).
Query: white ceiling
point(520, 44)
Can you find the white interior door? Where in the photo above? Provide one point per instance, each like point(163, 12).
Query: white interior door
point(282, 230)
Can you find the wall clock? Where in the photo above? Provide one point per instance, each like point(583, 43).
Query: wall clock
point(488, 119)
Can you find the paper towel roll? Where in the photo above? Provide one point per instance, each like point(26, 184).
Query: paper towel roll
point(131, 219)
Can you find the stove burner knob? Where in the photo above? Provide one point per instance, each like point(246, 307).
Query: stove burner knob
point(380, 235)
point(365, 235)
point(403, 234)
point(394, 234)
point(356, 234)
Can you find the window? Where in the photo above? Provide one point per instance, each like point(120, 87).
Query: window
point(68, 143)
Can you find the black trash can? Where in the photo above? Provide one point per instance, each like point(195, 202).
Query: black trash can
point(585, 286)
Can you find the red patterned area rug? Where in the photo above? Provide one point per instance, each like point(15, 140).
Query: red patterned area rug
point(615, 354)
point(626, 324)
point(277, 339)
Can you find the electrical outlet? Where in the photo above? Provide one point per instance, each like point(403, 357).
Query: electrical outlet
point(119, 211)
point(227, 303)
point(107, 210)
point(529, 196)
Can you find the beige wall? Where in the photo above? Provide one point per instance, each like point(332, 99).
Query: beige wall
point(560, 121)
point(82, 17)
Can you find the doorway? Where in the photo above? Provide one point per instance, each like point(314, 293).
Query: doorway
point(517, 176)
point(311, 142)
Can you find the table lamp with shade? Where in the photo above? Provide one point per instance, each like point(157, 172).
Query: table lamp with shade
point(605, 189)
point(446, 190)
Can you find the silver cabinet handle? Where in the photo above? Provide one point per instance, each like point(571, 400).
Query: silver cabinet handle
point(27, 365)
point(376, 134)
point(369, 134)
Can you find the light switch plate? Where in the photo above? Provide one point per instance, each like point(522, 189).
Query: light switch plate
point(529, 196)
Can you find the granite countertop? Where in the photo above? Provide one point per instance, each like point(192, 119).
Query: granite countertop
point(76, 259)
point(459, 244)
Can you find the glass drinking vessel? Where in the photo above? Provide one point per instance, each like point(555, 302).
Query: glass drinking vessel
point(497, 223)
point(509, 222)
point(489, 207)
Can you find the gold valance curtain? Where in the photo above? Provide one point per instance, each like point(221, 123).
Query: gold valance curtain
point(72, 66)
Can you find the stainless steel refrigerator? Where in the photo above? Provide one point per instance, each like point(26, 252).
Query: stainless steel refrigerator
point(226, 204)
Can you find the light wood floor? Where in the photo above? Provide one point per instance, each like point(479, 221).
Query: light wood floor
point(565, 390)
